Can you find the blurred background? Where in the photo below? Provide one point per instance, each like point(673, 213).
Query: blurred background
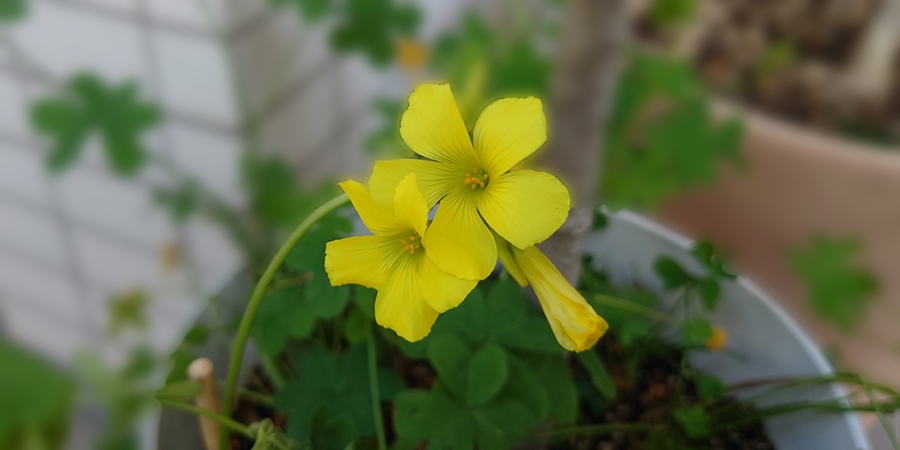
point(152, 149)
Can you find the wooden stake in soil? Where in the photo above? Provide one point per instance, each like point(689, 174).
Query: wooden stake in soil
point(202, 370)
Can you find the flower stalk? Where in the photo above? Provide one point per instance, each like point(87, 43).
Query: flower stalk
point(237, 354)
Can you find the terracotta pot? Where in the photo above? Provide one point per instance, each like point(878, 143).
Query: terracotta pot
point(800, 183)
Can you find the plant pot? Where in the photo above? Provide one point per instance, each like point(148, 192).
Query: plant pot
point(770, 343)
point(799, 183)
point(177, 430)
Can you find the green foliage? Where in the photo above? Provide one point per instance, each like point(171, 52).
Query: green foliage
point(499, 373)
point(694, 420)
point(269, 437)
point(674, 276)
point(180, 391)
point(696, 331)
point(282, 314)
point(671, 273)
point(670, 12)
point(709, 388)
point(837, 287)
point(12, 10)
point(327, 388)
point(127, 310)
point(371, 27)
point(599, 376)
point(661, 137)
point(86, 106)
point(36, 399)
point(312, 10)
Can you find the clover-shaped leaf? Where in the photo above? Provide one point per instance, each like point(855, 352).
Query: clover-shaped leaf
point(87, 106)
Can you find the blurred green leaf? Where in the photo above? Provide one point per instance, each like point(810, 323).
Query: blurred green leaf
point(364, 298)
point(358, 326)
point(179, 391)
point(837, 287)
point(672, 274)
point(312, 10)
point(709, 292)
point(696, 331)
point(670, 12)
point(600, 377)
point(371, 26)
point(86, 106)
point(662, 138)
point(694, 419)
point(707, 256)
point(709, 388)
point(12, 10)
point(128, 309)
point(330, 433)
point(36, 399)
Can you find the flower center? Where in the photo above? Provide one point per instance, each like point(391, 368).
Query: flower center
point(412, 243)
point(476, 179)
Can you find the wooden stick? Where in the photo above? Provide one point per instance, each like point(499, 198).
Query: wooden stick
point(202, 370)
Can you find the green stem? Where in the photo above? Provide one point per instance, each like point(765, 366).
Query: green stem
point(636, 308)
point(226, 422)
point(376, 395)
point(259, 291)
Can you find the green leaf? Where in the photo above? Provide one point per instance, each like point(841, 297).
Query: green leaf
point(706, 255)
point(421, 414)
point(673, 276)
point(696, 331)
point(487, 374)
point(198, 335)
point(179, 391)
point(694, 419)
point(600, 377)
point(181, 358)
point(467, 321)
point(85, 106)
point(554, 374)
point(709, 388)
point(358, 327)
point(506, 419)
point(364, 298)
point(282, 314)
point(838, 288)
point(324, 299)
point(127, 309)
point(35, 396)
point(12, 10)
point(669, 12)
point(313, 10)
point(370, 27)
point(336, 387)
point(330, 433)
point(450, 357)
point(709, 292)
point(524, 385)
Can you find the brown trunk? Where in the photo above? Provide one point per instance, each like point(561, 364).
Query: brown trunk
point(594, 32)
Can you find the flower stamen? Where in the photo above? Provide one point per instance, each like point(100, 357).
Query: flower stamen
point(476, 180)
point(410, 243)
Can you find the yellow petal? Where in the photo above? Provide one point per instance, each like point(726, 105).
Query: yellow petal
point(574, 322)
point(433, 127)
point(401, 306)
point(508, 131)
point(509, 261)
point(442, 291)
point(458, 241)
point(376, 218)
point(409, 206)
point(434, 179)
point(364, 260)
point(524, 207)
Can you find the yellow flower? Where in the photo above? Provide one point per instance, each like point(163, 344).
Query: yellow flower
point(574, 322)
point(718, 340)
point(472, 178)
point(411, 289)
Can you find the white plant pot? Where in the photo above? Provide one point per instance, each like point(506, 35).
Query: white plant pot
point(771, 344)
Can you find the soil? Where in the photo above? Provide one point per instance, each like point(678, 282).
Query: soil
point(790, 58)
